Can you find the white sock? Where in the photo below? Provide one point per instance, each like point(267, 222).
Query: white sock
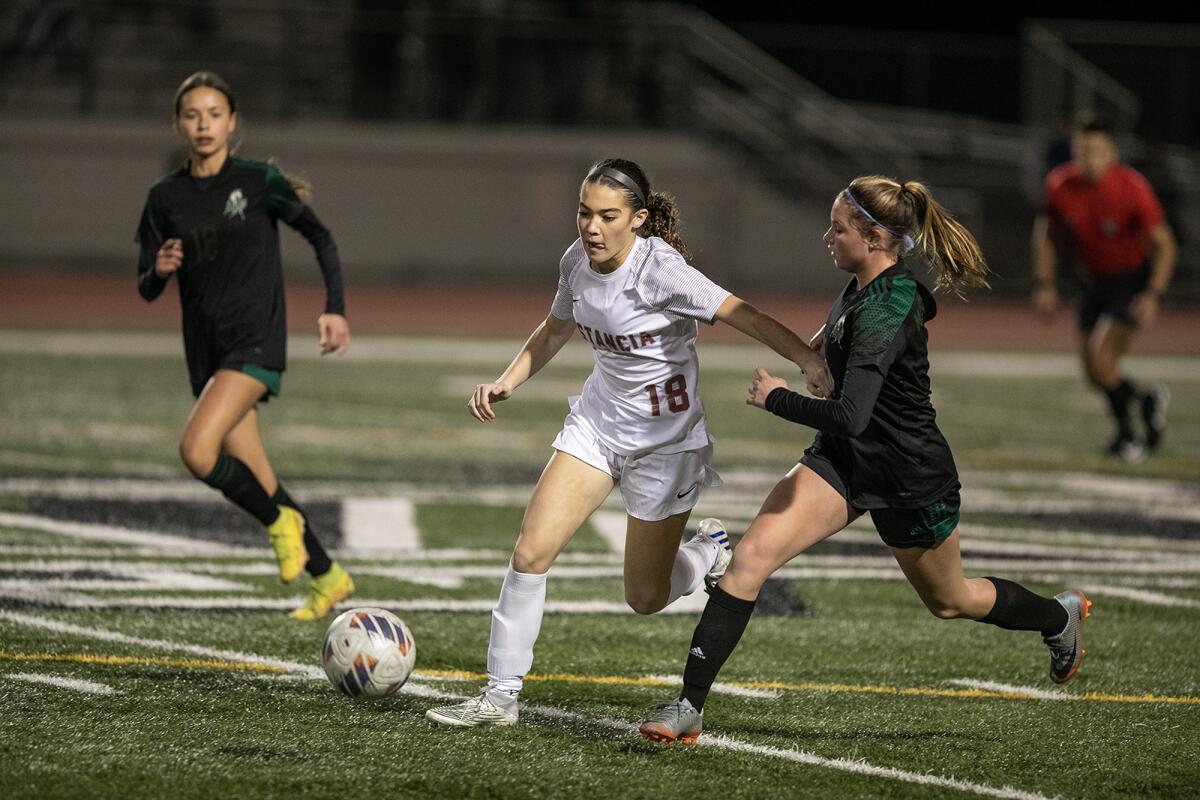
point(692, 562)
point(516, 621)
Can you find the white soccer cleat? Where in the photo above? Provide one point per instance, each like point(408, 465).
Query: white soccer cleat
point(485, 709)
point(713, 530)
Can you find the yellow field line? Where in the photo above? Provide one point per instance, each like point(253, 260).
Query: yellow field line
point(898, 691)
point(141, 661)
point(609, 680)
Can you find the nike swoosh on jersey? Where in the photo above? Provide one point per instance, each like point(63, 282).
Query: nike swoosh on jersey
point(689, 491)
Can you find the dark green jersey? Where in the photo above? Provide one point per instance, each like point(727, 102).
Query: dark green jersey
point(878, 430)
point(231, 281)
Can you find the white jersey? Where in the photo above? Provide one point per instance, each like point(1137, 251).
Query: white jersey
point(640, 320)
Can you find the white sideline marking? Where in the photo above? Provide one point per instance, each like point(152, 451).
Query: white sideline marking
point(721, 688)
point(43, 623)
point(112, 533)
point(1024, 691)
point(286, 603)
point(74, 684)
point(810, 759)
point(611, 526)
point(844, 765)
point(1142, 596)
point(373, 523)
point(446, 352)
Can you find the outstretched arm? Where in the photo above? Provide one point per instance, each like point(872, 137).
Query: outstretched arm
point(848, 415)
point(749, 320)
point(541, 346)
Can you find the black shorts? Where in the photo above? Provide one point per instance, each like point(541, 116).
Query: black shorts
point(925, 526)
point(1111, 296)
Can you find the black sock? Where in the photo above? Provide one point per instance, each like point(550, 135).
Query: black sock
point(721, 627)
point(1120, 399)
point(318, 560)
point(1019, 609)
point(237, 482)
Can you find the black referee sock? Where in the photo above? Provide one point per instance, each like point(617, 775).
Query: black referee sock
point(721, 627)
point(1120, 399)
point(1019, 609)
point(318, 560)
point(237, 482)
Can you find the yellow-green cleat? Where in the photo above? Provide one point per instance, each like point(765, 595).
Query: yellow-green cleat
point(287, 538)
point(323, 592)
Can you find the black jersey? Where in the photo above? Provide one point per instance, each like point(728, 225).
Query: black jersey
point(878, 430)
point(231, 280)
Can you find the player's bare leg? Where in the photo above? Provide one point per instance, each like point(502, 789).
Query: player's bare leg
point(1102, 352)
point(568, 491)
point(222, 407)
point(244, 442)
point(800, 511)
point(937, 575)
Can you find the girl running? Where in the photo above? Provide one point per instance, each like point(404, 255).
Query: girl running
point(626, 287)
point(877, 449)
point(213, 224)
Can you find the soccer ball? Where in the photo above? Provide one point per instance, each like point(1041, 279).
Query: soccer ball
point(368, 652)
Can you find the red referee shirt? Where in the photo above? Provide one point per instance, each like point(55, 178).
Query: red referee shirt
point(1109, 221)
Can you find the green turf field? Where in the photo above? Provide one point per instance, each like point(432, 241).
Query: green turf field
point(145, 651)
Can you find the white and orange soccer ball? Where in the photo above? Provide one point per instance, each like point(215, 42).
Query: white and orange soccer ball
point(368, 652)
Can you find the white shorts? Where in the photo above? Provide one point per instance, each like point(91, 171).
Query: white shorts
point(653, 485)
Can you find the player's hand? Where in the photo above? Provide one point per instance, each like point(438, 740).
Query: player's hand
point(480, 404)
point(1144, 308)
point(763, 384)
point(1045, 301)
point(333, 333)
point(816, 373)
point(170, 257)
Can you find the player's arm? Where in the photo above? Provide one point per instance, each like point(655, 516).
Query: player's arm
point(1045, 260)
point(333, 329)
point(541, 346)
point(1162, 267)
point(158, 257)
point(739, 314)
point(847, 415)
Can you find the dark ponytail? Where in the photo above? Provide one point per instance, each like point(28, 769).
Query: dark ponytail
point(629, 179)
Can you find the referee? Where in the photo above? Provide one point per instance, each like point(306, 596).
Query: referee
point(1126, 254)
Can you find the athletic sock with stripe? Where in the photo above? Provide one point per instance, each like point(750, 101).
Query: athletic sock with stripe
point(235, 480)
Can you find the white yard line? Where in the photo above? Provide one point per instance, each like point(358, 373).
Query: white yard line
point(110, 533)
point(370, 523)
point(448, 352)
point(1140, 595)
point(43, 623)
point(720, 687)
point(610, 526)
point(853, 766)
point(74, 684)
point(1024, 691)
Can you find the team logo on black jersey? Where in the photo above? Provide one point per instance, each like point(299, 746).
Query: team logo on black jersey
point(235, 206)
